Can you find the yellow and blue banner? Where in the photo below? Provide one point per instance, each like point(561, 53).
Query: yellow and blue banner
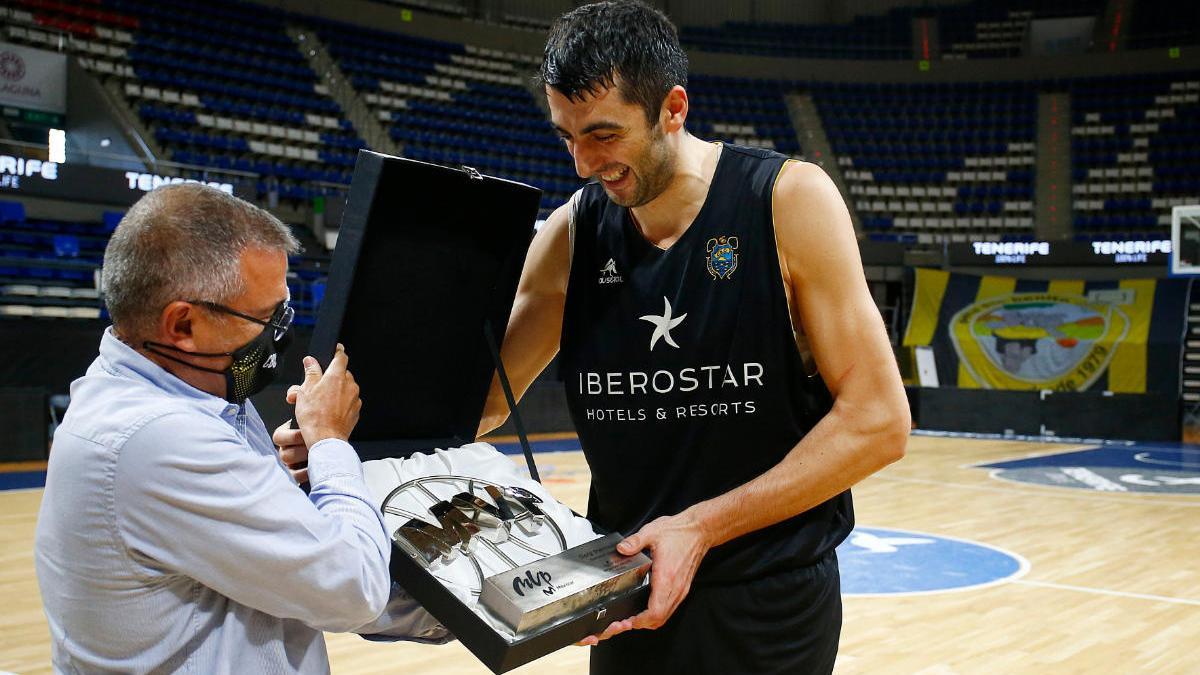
point(997, 332)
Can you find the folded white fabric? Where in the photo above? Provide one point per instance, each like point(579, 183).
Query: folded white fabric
point(487, 466)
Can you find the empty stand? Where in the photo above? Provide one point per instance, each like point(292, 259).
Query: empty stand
point(218, 85)
point(742, 111)
point(996, 29)
point(49, 268)
point(455, 104)
point(931, 163)
point(871, 37)
point(1135, 152)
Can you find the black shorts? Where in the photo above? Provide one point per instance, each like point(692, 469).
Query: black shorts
point(788, 622)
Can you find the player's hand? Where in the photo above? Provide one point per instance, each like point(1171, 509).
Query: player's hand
point(677, 545)
point(289, 443)
point(327, 404)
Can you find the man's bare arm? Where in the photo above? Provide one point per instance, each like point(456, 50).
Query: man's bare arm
point(869, 423)
point(866, 429)
point(535, 326)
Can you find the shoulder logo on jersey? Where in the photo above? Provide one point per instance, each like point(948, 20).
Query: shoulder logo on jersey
point(722, 260)
point(663, 325)
point(609, 274)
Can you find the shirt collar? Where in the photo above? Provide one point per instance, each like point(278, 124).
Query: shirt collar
point(121, 359)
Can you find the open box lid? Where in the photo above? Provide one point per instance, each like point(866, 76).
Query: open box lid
point(427, 256)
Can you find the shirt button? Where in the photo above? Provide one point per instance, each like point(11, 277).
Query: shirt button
point(231, 410)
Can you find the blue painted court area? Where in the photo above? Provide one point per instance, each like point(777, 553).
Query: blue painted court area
point(1150, 467)
point(20, 480)
point(878, 561)
point(565, 445)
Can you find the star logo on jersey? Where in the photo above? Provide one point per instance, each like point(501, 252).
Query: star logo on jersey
point(609, 274)
point(722, 260)
point(663, 325)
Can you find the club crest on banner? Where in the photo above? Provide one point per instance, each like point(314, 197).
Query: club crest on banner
point(722, 259)
point(1037, 340)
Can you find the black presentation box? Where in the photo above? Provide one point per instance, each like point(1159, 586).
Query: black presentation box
point(427, 258)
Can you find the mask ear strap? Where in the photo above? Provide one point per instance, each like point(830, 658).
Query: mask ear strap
point(155, 347)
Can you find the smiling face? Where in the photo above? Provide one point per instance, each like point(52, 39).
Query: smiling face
point(611, 140)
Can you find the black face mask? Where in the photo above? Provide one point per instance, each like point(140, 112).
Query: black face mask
point(254, 364)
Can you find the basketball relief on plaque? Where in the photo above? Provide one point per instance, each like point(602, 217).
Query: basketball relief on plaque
point(497, 540)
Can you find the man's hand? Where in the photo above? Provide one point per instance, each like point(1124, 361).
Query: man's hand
point(327, 404)
point(677, 545)
point(292, 450)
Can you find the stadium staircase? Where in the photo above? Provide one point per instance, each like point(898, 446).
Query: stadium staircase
point(1052, 168)
point(341, 90)
point(815, 144)
point(150, 148)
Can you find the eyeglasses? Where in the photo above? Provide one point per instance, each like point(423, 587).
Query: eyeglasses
point(281, 318)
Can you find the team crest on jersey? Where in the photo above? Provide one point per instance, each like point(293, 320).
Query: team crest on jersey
point(722, 260)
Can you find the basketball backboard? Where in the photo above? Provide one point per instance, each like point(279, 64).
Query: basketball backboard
point(1185, 240)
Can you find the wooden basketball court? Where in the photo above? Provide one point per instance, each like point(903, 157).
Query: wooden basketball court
point(1113, 584)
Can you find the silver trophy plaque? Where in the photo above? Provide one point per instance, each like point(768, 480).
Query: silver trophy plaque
point(564, 584)
point(522, 571)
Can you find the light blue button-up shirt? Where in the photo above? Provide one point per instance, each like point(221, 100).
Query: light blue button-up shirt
point(171, 538)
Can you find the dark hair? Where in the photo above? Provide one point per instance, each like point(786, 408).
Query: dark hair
point(597, 45)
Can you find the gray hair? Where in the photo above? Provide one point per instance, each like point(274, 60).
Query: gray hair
point(182, 242)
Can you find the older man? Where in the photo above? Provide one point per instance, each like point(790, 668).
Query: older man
point(170, 538)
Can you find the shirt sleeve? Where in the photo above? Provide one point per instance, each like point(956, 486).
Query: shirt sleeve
point(404, 619)
point(194, 498)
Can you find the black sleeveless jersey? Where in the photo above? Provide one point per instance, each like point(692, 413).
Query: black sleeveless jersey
point(681, 368)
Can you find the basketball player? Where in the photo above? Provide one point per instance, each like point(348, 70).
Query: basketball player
point(676, 287)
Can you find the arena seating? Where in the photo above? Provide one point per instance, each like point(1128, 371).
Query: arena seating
point(995, 28)
point(980, 29)
point(261, 108)
point(1135, 152)
point(48, 269)
point(972, 32)
point(742, 111)
point(877, 37)
point(929, 163)
point(227, 88)
point(100, 38)
point(219, 85)
point(455, 104)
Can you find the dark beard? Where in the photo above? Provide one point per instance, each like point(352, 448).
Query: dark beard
point(655, 168)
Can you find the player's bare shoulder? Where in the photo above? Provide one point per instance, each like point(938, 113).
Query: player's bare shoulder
point(548, 263)
point(811, 217)
point(804, 187)
point(557, 225)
